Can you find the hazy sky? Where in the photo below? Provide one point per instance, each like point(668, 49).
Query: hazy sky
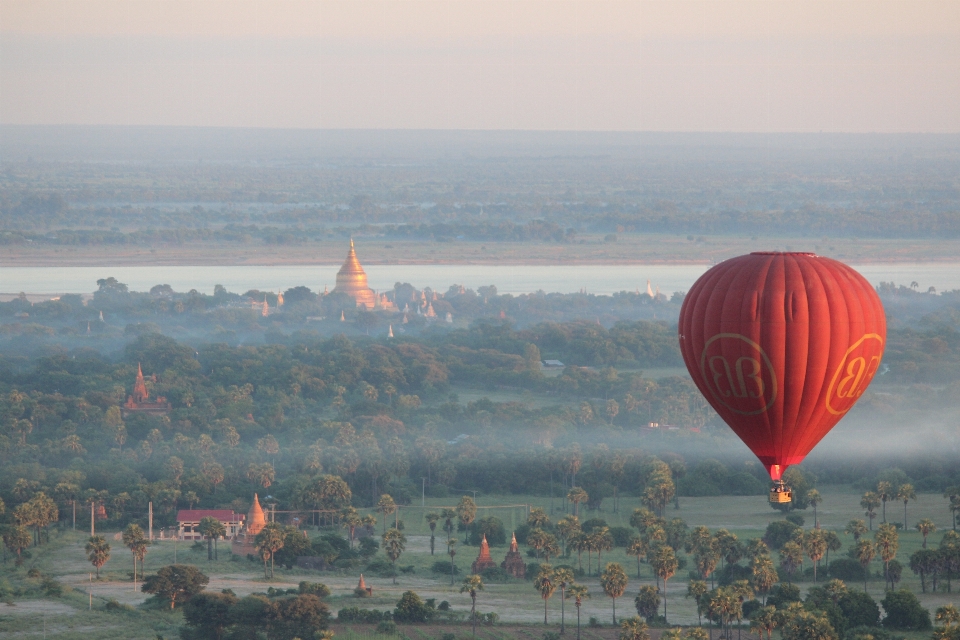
point(675, 65)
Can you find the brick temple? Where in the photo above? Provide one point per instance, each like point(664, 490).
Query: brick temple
point(483, 561)
point(513, 564)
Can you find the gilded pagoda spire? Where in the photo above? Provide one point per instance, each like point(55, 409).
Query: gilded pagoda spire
point(352, 280)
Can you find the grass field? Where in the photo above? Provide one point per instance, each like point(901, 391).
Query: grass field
point(516, 602)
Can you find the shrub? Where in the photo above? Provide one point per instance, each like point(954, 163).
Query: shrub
point(444, 606)
point(363, 616)
point(381, 567)
point(443, 566)
point(593, 523)
point(783, 594)
point(795, 518)
point(846, 569)
point(494, 574)
point(904, 612)
point(779, 533)
point(859, 609)
point(490, 526)
point(387, 628)
point(411, 609)
point(594, 622)
point(621, 536)
point(314, 588)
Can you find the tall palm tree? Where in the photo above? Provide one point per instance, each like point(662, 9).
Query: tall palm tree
point(814, 498)
point(791, 557)
point(577, 495)
point(906, 492)
point(432, 519)
point(764, 576)
point(472, 584)
point(884, 492)
point(394, 543)
point(563, 577)
point(452, 552)
point(578, 592)
point(865, 552)
point(637, 547)
point(856, 528)
point(887, 543)
point(267, 543)
point(926, 527)
point(350, 519)
point(206, 526)
point(386, 506)
point(98, 552)
point(833, 543)
point(764, 620)
point(870, 502)
point(614, 581)
point(665, 566)
point(815, 544)
point(545, 585)
point(133, 539)
point(603, 541)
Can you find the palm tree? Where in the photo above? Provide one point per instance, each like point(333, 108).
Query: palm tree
point(884, 492)
point(432, 519)
point(764, 576)
point(926, 527)
point(577, 495)
point(538, 518)
point(813, 497)
point(791, 557)
point(603, 541)
point(665, 566)
point(637, 547)
point(887, 542)
point(634, 629)
point(614, 580)
point(696, 589)
point(856, 528)
point(98, 552)
point(815, 544)
point(466, 511)
point(566, 527)
point(447, 515)
point(267, 543)
point(906, 493)
point(865, 552)
point(578, 592)
point(386, 506)
point(544, 584)
point(564, 578)
point(472, 584)
point(870, 502)
point(394, 543)
point(762, 620)
point(833, 543)
point(537, 539)
point(206, 527)
point(451, 552)
point(350, 519)
point(17, 539)
point(134, 539)
point(836, 588)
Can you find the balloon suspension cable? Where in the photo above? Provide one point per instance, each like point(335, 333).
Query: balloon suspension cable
point(780, 493)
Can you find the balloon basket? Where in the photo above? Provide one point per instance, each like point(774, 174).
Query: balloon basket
point(780, 493)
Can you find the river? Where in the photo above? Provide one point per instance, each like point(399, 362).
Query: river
point(515, 279)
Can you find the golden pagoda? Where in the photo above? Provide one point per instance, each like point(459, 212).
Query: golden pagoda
point(352, 280)
point(244, 543)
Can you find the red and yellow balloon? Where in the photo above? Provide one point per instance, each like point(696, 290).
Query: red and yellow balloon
point(782, 345)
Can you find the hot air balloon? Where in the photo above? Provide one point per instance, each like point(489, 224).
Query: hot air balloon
point(782, 345)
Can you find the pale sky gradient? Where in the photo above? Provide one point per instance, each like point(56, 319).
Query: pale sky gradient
point(674, 65)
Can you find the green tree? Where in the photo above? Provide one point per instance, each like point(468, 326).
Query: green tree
point(814, 499)
point(176, 582)
point(209, 614)
point(98, 552)
point(538, 519)
point(815, 546)
point(466, 511)
point(350, 519)
point(857, 528)
point(472, 584)
point(697, 589)
point(904, 612)
point(764, 619)
point(791, 557)
point(411, 609)
point(764, 576)
point(614, 581)
point(394, 544)
point(267, 543)
point(884, 493)
point(647, 602)
point(16, 539)
point(808, 626)
point(870, 501)
point(544, 584)
point(576, 495)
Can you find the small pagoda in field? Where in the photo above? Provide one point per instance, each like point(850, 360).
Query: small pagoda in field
point(243, 544)
point(513, 564)
point(139, 401)
point(483, 561)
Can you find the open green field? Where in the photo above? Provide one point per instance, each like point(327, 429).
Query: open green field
point(516, 602)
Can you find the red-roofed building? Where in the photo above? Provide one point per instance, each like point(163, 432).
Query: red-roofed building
point(188, 520)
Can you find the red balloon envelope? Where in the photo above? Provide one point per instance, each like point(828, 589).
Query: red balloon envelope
point(782, 345)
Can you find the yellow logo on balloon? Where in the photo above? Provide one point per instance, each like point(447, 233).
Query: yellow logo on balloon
point(854, 374)
point(746, 385)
